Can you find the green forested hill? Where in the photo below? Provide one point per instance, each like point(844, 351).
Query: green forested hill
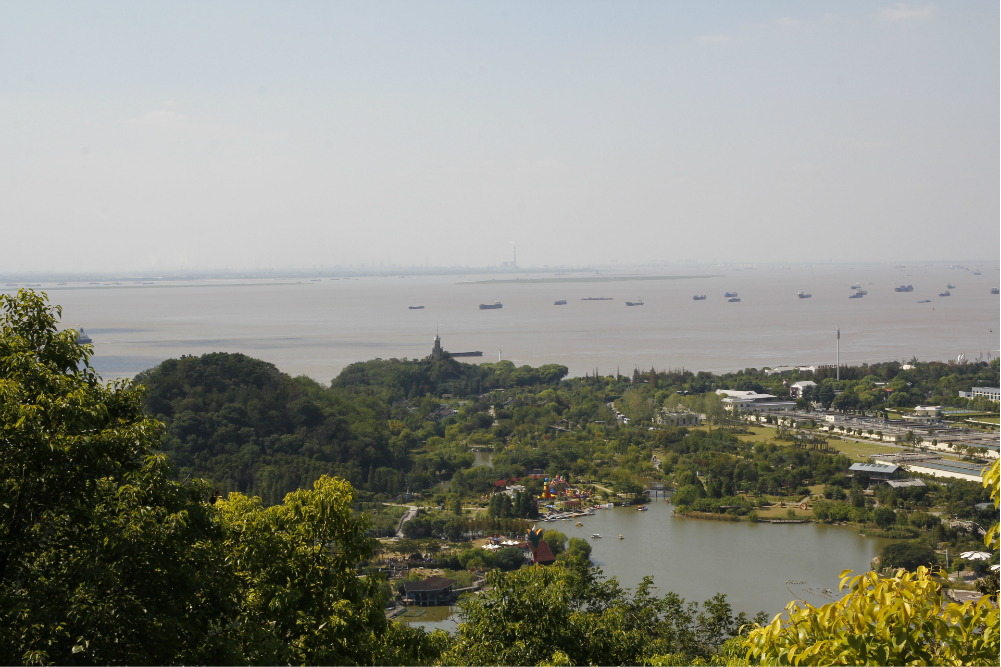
point(246, 426)
point(399, 379)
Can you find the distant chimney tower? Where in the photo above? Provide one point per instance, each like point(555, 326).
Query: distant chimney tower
point(839, 354)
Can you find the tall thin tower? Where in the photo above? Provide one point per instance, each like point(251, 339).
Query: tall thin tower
point(839, 354)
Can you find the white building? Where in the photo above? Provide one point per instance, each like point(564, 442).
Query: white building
point(786, 370)
point(990, 393)
point(796, 388)
point(928, 411)
point(752, 401)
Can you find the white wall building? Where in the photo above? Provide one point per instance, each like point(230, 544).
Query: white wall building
point(796, 388)
point(752, 401)
point(990, 393)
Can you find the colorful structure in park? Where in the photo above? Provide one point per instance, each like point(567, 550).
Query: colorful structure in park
point(558, 489)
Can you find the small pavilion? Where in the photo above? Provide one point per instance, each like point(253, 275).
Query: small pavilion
point(433, 590)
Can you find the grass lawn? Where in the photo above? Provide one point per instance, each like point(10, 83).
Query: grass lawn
point(758, 434)
point(853, 449)
point(776, 512)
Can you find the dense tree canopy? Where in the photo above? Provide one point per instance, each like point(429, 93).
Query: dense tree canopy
point(105, 558)
point(570, 614)
point(245, 426)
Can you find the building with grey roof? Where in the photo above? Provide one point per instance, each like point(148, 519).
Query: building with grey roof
point(876, 471)
point(904, 483)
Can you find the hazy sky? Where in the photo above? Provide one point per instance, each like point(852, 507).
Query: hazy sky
point(213, 134)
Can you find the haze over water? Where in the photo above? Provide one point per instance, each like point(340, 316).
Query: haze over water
point(317, 328)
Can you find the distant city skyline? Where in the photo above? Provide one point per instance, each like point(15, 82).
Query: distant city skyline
point(170, 137)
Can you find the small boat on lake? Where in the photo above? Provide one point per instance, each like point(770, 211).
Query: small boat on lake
point(641, 508)
point(925, 301)
point(579, 524)
point(729, 294)
point(620, 536)
point(491, 306)
point(597, 298)
point(560, 302)
point(637, 302)
point(596, 536)
point(699, 297)
point(904, 288)
point(945, 293)
point(950, 287)
point(733, 300)
point(803, 295)
point(415, 307)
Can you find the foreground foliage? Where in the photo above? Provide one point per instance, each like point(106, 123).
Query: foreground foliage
point(105, 558)
point(570, 614)
point(903, 620)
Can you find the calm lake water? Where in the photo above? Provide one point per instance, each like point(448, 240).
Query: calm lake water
point(482, 459)
point(697, 559)
point(317, 328)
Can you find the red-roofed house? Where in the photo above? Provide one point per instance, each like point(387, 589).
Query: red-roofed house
point(543, 555)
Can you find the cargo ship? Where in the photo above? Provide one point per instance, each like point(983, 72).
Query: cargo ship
point(560, 302)
point(856, 286)
point(925, 301)
point(857, 295)
point(637, 302)
point(491, 306)
point(699, 297)
point(950, 287)
point(597, 298)
point(733, 300)
point(995, 290)
point(976, 273)
point(83, 338)
point(803, 295)
point(729, 294)
point(904, 288)
point(415, 307)
point(945, 293)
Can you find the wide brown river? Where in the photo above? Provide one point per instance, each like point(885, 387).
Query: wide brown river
point(317, 327)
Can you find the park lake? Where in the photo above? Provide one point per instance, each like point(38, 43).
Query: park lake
point(750, 562)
